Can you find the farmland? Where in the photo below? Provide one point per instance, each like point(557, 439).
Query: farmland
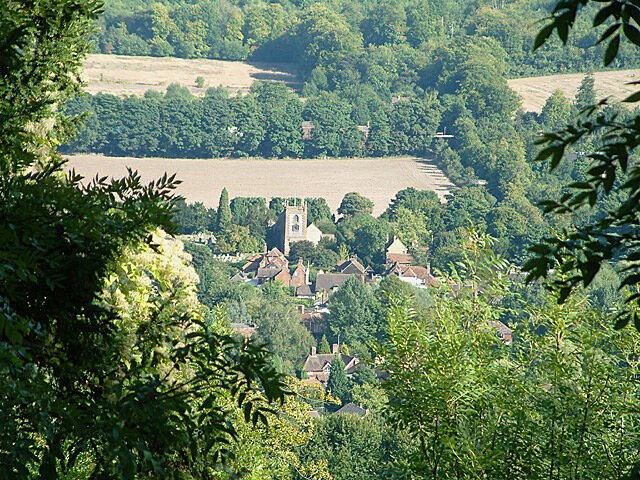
point(203, 180)
point(125, 75)
point(536, 90)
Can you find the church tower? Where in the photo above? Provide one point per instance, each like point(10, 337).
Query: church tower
point(295, 225)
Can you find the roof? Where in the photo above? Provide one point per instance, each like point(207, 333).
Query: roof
point(329, 281)
point(399, 258)
point(353, 409)
point(415, 271)
point(351, 266)
point(505, 332)
point(304, 291)
point(268, 272)
point(316, 363)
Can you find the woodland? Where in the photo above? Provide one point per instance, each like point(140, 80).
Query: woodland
point(117, 358)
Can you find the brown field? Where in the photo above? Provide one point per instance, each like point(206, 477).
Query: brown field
point(202, 180)
point(123, 75)
point(536, 90)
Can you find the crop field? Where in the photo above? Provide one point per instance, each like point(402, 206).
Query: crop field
point(202, 180)
point(124, 75)
point(536, 90)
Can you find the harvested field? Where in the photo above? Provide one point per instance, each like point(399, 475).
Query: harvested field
point(202, 180)
point(536, 90)
point(124, 75)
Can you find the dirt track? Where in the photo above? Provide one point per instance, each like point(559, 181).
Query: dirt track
point(203, 180)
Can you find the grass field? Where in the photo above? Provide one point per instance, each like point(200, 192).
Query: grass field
point(123, 75)
point(203, 180)
point(536, 90)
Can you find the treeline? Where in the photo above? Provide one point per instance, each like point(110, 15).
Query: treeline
point(342, 33)
point(272, 121)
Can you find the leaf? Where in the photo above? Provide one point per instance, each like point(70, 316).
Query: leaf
point(622, 322)
point(632, 33)
point(542, 36)
point(634, 97)
point(612, 50)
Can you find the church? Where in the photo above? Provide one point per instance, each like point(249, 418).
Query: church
point(292, 227)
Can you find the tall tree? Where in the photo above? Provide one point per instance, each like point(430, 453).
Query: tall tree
point(223, 218)
point(338, 383)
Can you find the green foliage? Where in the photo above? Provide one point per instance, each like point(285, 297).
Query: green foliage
point(338, 384)
point(355, 314)
point(223, 218)
point(526, 410)
point(577, 254)
point(324, 347)
point(355, 204)
point(120, 384)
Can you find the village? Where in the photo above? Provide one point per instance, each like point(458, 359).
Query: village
point(313, 298)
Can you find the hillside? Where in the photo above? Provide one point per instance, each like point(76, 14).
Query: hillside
point(128, 75)
point(536, 90)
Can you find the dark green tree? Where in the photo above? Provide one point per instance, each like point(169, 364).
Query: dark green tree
point(324, 347)
point(355, 204)
point(355, 314)
point(223, 217)
point(338, 383)
point(586, 95)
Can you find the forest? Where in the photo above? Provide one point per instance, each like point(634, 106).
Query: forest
point(118, 356)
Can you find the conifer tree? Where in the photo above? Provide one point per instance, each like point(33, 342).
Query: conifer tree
point(338, 383)
point(223, 220)
point(324, 345)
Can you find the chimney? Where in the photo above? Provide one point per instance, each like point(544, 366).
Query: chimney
point(301, 309)
point(335, 348)
point(428, 268)
point(313, 350)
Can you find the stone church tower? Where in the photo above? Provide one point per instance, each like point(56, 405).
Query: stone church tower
point(295, 225)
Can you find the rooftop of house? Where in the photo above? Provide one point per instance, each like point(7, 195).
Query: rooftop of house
point(353, 409)
point(351, 266)
point(400, 259)
point(328, 281)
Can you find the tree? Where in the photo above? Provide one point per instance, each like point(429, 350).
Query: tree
point(468, 421)
point(586, 95)
point(324, 345)
point(354, 204)
point(338, 384)
point(223, 218)
point(355, 314)
point(77, 384)
point(577, 255)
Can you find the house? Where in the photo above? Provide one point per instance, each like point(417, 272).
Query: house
point(504, 332)
point(300, 275)
point(273, 274)
point(327, 283)
point(353, 409)
point(397, 247)
point(247, 331)
point(305, 291)
point(315, 321)
point(268, 267)
point(318, 365)
point(416, 275)
point(352, 267)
